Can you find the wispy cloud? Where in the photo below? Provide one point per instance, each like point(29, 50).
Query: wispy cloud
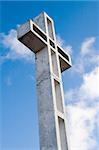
point(83, 101)
point(89, 85)
point(87, 57)
point(62, 43)
point(88, 90)
point(8, 81)
point(87, 45)
point(82, 122)
point(15, 49)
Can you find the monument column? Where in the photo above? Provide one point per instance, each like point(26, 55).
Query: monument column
point(51, 60)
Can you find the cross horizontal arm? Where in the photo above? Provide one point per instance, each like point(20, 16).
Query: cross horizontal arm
point(32, 36)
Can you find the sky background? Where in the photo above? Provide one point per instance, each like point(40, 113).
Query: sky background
point(77, 31)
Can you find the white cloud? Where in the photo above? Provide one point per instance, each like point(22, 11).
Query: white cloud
point(87, 45)
point(87, 57)
point(82, 111)
point(81, 125)
point(89, 89)
point(90, 86)
point(16, 49)
point(59, 40)
point(62, 43)
point(83, 101)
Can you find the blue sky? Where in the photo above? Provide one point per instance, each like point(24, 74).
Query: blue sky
point(77, 30)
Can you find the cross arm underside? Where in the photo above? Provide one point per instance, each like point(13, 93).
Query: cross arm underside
point(32, 36)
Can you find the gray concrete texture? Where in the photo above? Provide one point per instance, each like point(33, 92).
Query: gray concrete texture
point(51, 60)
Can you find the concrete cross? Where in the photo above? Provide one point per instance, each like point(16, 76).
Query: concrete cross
point(51, 60)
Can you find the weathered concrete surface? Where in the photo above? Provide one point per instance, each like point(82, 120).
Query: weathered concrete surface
point(40, 21)
point(50, 60)
point(47, 129)
point(26, 35)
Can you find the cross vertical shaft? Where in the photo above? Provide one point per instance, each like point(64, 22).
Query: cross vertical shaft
point(51, 61)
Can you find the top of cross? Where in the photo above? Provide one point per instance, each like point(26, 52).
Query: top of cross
point(38, 33)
